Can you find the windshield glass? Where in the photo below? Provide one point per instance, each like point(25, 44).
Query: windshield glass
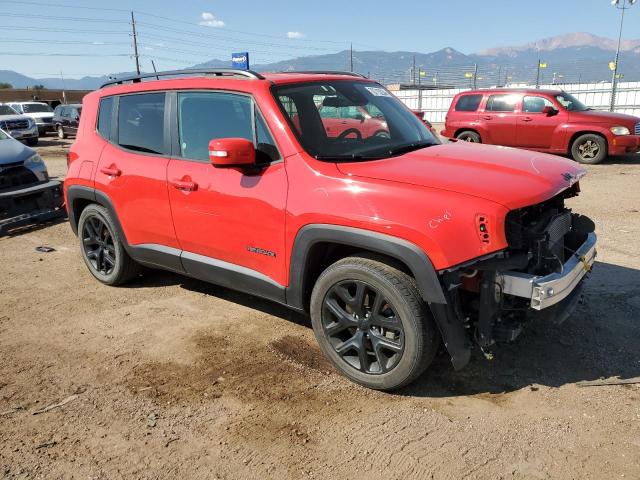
point(36, 108)
point(570, 102)
point(351, 120)
point(7, 110)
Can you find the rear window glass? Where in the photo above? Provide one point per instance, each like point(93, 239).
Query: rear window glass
point(502, 103)
point(141, 122)
point(104, 117)
point(468, 103)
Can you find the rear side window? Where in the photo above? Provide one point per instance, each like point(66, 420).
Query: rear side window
point(104, 117)
point(468, 103)
point(141, 122)
point(502, 103)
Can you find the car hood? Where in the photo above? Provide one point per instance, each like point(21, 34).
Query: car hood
point(12, 151)
point(508, 176)
point(595, 116)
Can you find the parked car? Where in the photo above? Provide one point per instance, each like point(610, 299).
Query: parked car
point(40, 112)
point(550, 121)
point(18, 126)
point(392, 243)
point(27, 194)
point(66, 119)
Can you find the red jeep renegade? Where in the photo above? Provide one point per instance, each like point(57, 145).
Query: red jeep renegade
point(550, 121)
point(392, 242)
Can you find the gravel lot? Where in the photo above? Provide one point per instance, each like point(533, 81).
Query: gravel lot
point(174, 378)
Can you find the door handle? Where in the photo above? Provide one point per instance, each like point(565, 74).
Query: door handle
point(487, 117)
point(111, 171)
point(185, 186)
point(527, 119)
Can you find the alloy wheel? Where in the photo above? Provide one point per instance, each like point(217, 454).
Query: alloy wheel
point(589, 149)
point(98, 245)
point(363, 327)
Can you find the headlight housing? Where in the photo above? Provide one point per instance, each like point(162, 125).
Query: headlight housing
point(618, 130)
point(33, 161)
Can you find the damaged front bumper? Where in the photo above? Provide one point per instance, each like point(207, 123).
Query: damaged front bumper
point(548, 290)
point(29, 204)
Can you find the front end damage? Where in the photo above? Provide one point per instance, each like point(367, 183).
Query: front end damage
point(539, 277)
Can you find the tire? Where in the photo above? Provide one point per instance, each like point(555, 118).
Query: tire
point(589, 148)
point(469, 136)
point(32, 142)
point(391, 325)
point(102, 248)
point(61, 134)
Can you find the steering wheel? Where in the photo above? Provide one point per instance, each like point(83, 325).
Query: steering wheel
point(350, 131)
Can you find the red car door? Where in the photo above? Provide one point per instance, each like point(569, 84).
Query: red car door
point(498, 119)
point(226, 214)
point(133, 170)
point(536, 129)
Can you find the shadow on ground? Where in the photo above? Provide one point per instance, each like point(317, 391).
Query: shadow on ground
point(598, 341)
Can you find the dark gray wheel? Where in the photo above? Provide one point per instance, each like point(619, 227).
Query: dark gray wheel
point(372, 323)
point(61, 134)
point(469, 136)
point(589, 148)
point(102, 249)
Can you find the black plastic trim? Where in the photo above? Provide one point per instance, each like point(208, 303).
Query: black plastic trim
point(157, 256)
point(408, 253)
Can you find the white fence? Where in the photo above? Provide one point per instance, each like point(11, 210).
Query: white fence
point(435, 103)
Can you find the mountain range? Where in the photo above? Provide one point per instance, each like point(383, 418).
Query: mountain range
point(572, 57)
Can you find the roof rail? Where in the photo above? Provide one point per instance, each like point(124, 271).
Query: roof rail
point(231, 72)
point(327, 72)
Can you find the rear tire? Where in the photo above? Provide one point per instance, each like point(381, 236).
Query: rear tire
point(469, 136)
point(61, 134)
point(102, 248)
point(372, 323)
point(589, 148)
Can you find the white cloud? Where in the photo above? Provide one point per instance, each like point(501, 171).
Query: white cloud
point(295, 35)
point(210, 20)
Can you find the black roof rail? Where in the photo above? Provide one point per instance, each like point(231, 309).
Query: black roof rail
point(231, 72)
point(327, 72)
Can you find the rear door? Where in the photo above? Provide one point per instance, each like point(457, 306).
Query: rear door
point(498, 119)
point(536, 129)
point(133, 168)
point(227, 214)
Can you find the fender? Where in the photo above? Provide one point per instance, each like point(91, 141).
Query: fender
point(451, 328)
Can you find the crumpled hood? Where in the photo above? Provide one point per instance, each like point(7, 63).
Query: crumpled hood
point(12, 151)
point(508, 176)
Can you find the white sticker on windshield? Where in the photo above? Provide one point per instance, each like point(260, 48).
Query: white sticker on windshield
point(378, 92)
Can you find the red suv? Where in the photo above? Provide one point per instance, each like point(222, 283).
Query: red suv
point(550, 121)
point(392, 243)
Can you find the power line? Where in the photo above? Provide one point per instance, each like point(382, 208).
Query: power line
point(51, 17)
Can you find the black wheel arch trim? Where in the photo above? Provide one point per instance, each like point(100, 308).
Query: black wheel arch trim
point(402, 250)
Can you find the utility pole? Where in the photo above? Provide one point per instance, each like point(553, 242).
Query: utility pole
point(420, 88)
point(351, 56)
point(538, 75)
point(64, 95)
point(499, 75)
point(135, 44)
point(413, 71)
point(475, 76)
point(620, 5)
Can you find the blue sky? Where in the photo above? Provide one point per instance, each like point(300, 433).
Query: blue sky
point(198, 30)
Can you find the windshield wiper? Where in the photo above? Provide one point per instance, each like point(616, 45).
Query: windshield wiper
point(409, 148)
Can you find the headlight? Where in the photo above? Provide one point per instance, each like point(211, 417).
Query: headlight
point(33, 161)
point(620, 131)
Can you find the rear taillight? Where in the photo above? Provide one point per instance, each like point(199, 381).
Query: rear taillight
point(71, 157)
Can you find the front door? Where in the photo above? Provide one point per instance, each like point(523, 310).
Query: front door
point(230, 215)
point(536, 129)
point(499, 119)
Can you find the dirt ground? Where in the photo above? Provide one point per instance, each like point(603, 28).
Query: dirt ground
point(175, 378)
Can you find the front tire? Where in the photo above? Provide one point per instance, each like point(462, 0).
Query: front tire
point(61, 134)
point(372, 323)
point(469, 136)
point(589, 149)
point(102, 248)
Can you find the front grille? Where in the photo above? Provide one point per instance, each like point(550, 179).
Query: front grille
point(637, 130)
point(16, 124)
point(16, 177)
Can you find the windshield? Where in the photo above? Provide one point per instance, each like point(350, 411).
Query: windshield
point(7, 110)
point(36, 108)
point(570, 102)
point(351, 120)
